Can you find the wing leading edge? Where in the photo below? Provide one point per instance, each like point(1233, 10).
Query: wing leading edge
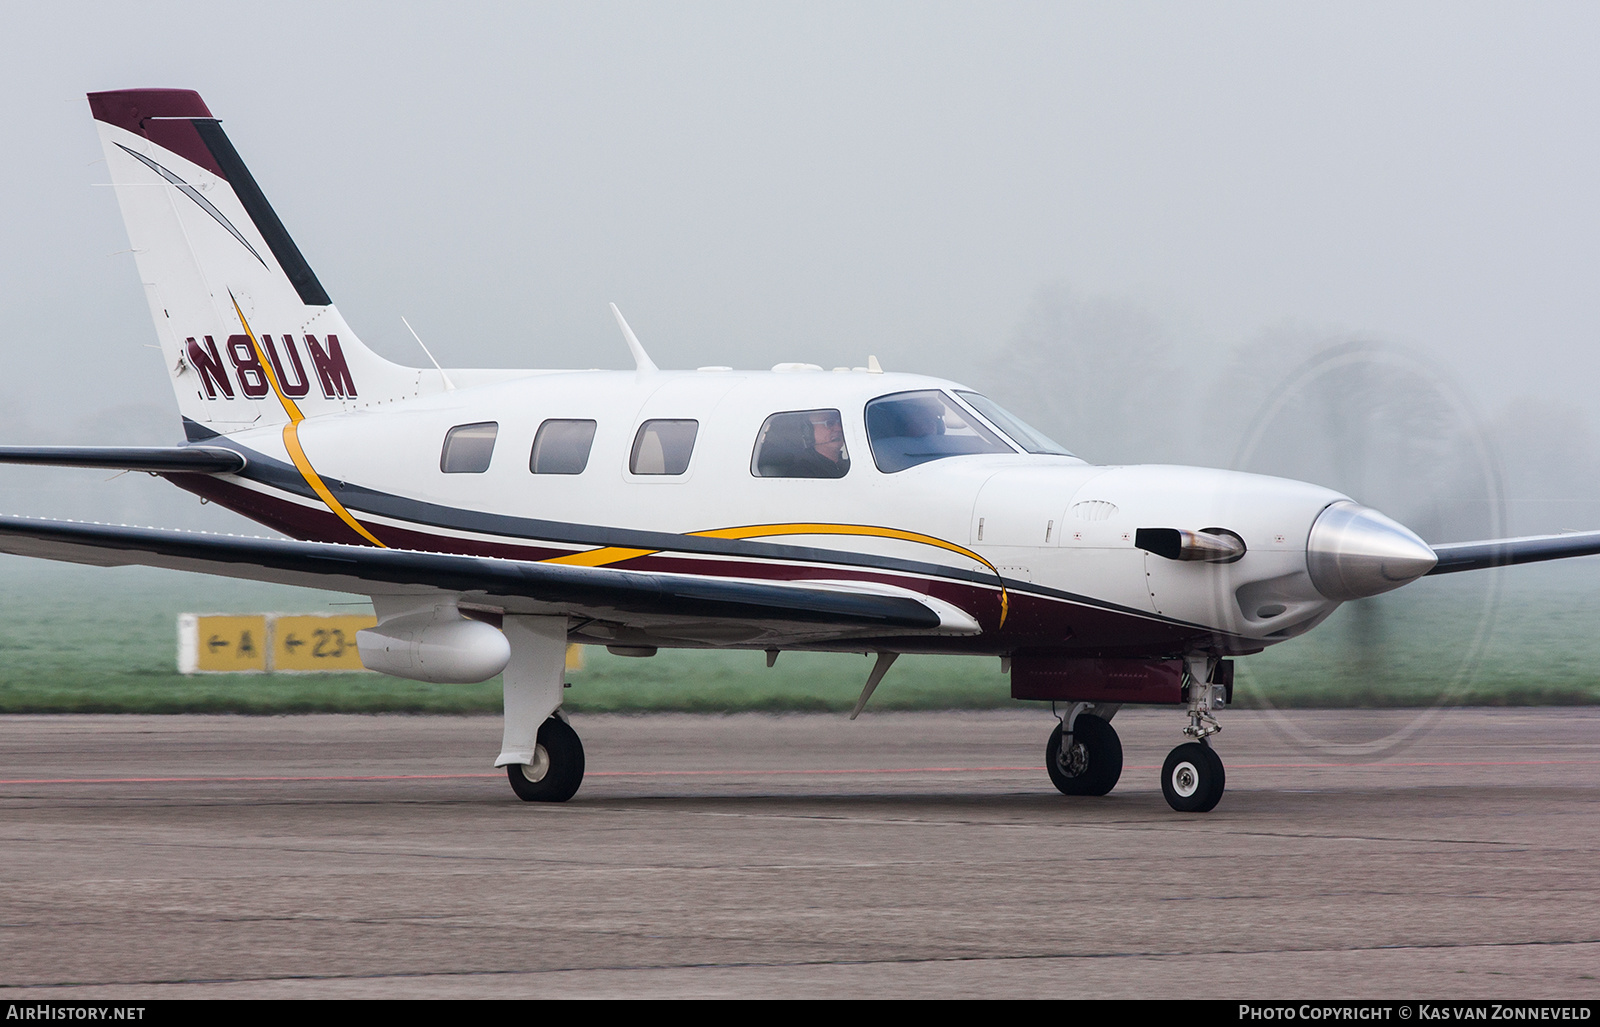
point(593, 591)
point(158, 459)
point(1504, 552)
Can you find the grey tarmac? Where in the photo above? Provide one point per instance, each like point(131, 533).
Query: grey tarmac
point(904, 855)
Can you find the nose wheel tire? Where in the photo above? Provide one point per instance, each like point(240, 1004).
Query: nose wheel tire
point(1091, 764)
point(1192, 778)
point(557, 767)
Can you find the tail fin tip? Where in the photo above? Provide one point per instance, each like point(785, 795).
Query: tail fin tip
point(166, 117)
point(130, 108)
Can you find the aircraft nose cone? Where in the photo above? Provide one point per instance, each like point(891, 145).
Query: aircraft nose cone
point(1354, 552)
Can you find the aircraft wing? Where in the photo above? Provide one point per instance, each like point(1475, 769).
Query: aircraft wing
point(694, 604)
point(1503, 552)
point(196, 459)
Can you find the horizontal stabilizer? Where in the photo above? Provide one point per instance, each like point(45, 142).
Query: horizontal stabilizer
point(156, 459)
point(518, 586)
point(1503, 552)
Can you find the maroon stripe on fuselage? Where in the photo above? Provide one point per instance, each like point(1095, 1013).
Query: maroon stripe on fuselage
point(312, 524)
point(319, 524)
point(1033, 622)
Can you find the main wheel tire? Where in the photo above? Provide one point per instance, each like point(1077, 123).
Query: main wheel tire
point(1092, 764)
point(1192, 779)
point(557, 767)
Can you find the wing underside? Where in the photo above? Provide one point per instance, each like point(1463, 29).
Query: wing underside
point(633, 605)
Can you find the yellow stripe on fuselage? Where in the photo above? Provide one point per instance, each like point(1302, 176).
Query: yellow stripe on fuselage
point(600, 557)
point(864, 530)
point(616, 554)
point(291, 437)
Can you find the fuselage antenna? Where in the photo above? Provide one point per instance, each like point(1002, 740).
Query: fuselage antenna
point(449, 386)
point(641, 359)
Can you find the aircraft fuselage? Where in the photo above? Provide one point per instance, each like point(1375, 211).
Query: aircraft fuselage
point(1038, 549)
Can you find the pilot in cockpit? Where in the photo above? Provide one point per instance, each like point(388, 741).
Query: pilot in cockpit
point(824, 456)
point(801, 444)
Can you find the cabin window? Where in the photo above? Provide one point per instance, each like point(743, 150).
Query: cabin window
point(663, 447)
point(468, 447)
point(1024, 435)
point(801, 444)
point(561, 447)
point(910, 428)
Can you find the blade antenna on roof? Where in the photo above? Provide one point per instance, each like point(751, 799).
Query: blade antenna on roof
point(449, 385)
point(641, 359)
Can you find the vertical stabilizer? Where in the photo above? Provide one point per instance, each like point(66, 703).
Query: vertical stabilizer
point(205, 237)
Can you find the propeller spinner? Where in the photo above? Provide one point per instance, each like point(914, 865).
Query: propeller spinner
point(1355, 552)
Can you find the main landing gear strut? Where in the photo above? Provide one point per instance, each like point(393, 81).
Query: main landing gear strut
point(540, 751)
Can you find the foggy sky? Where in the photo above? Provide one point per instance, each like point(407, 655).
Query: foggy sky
point(1240, 183)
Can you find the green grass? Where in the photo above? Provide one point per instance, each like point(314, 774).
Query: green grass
point(1522, 636)
point(82, 639)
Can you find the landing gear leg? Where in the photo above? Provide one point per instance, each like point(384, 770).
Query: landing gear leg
point(1192, 778)
point(1084, 754)
point(540, 751)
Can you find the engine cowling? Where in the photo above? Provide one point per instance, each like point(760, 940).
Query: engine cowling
point(437, 645)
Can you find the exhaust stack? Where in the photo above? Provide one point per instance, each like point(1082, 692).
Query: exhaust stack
point(1210, 545)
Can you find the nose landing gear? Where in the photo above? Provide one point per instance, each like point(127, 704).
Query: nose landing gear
point(1192, 778)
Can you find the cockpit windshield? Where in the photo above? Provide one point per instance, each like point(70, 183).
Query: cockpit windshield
point(910, 428)
point(1024, 435)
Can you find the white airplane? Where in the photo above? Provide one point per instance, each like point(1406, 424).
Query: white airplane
point(495, 515)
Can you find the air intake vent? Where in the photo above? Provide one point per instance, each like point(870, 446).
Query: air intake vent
point(1094, 510)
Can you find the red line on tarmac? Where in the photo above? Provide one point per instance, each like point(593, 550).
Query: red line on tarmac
point(446, 777)
point(1438, 763)
point(227, 780)
point(742, 773)
point(761, 773)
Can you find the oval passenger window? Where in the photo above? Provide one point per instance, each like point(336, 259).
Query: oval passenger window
point(663, 447)
point(468, 448)
point(561, 447)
